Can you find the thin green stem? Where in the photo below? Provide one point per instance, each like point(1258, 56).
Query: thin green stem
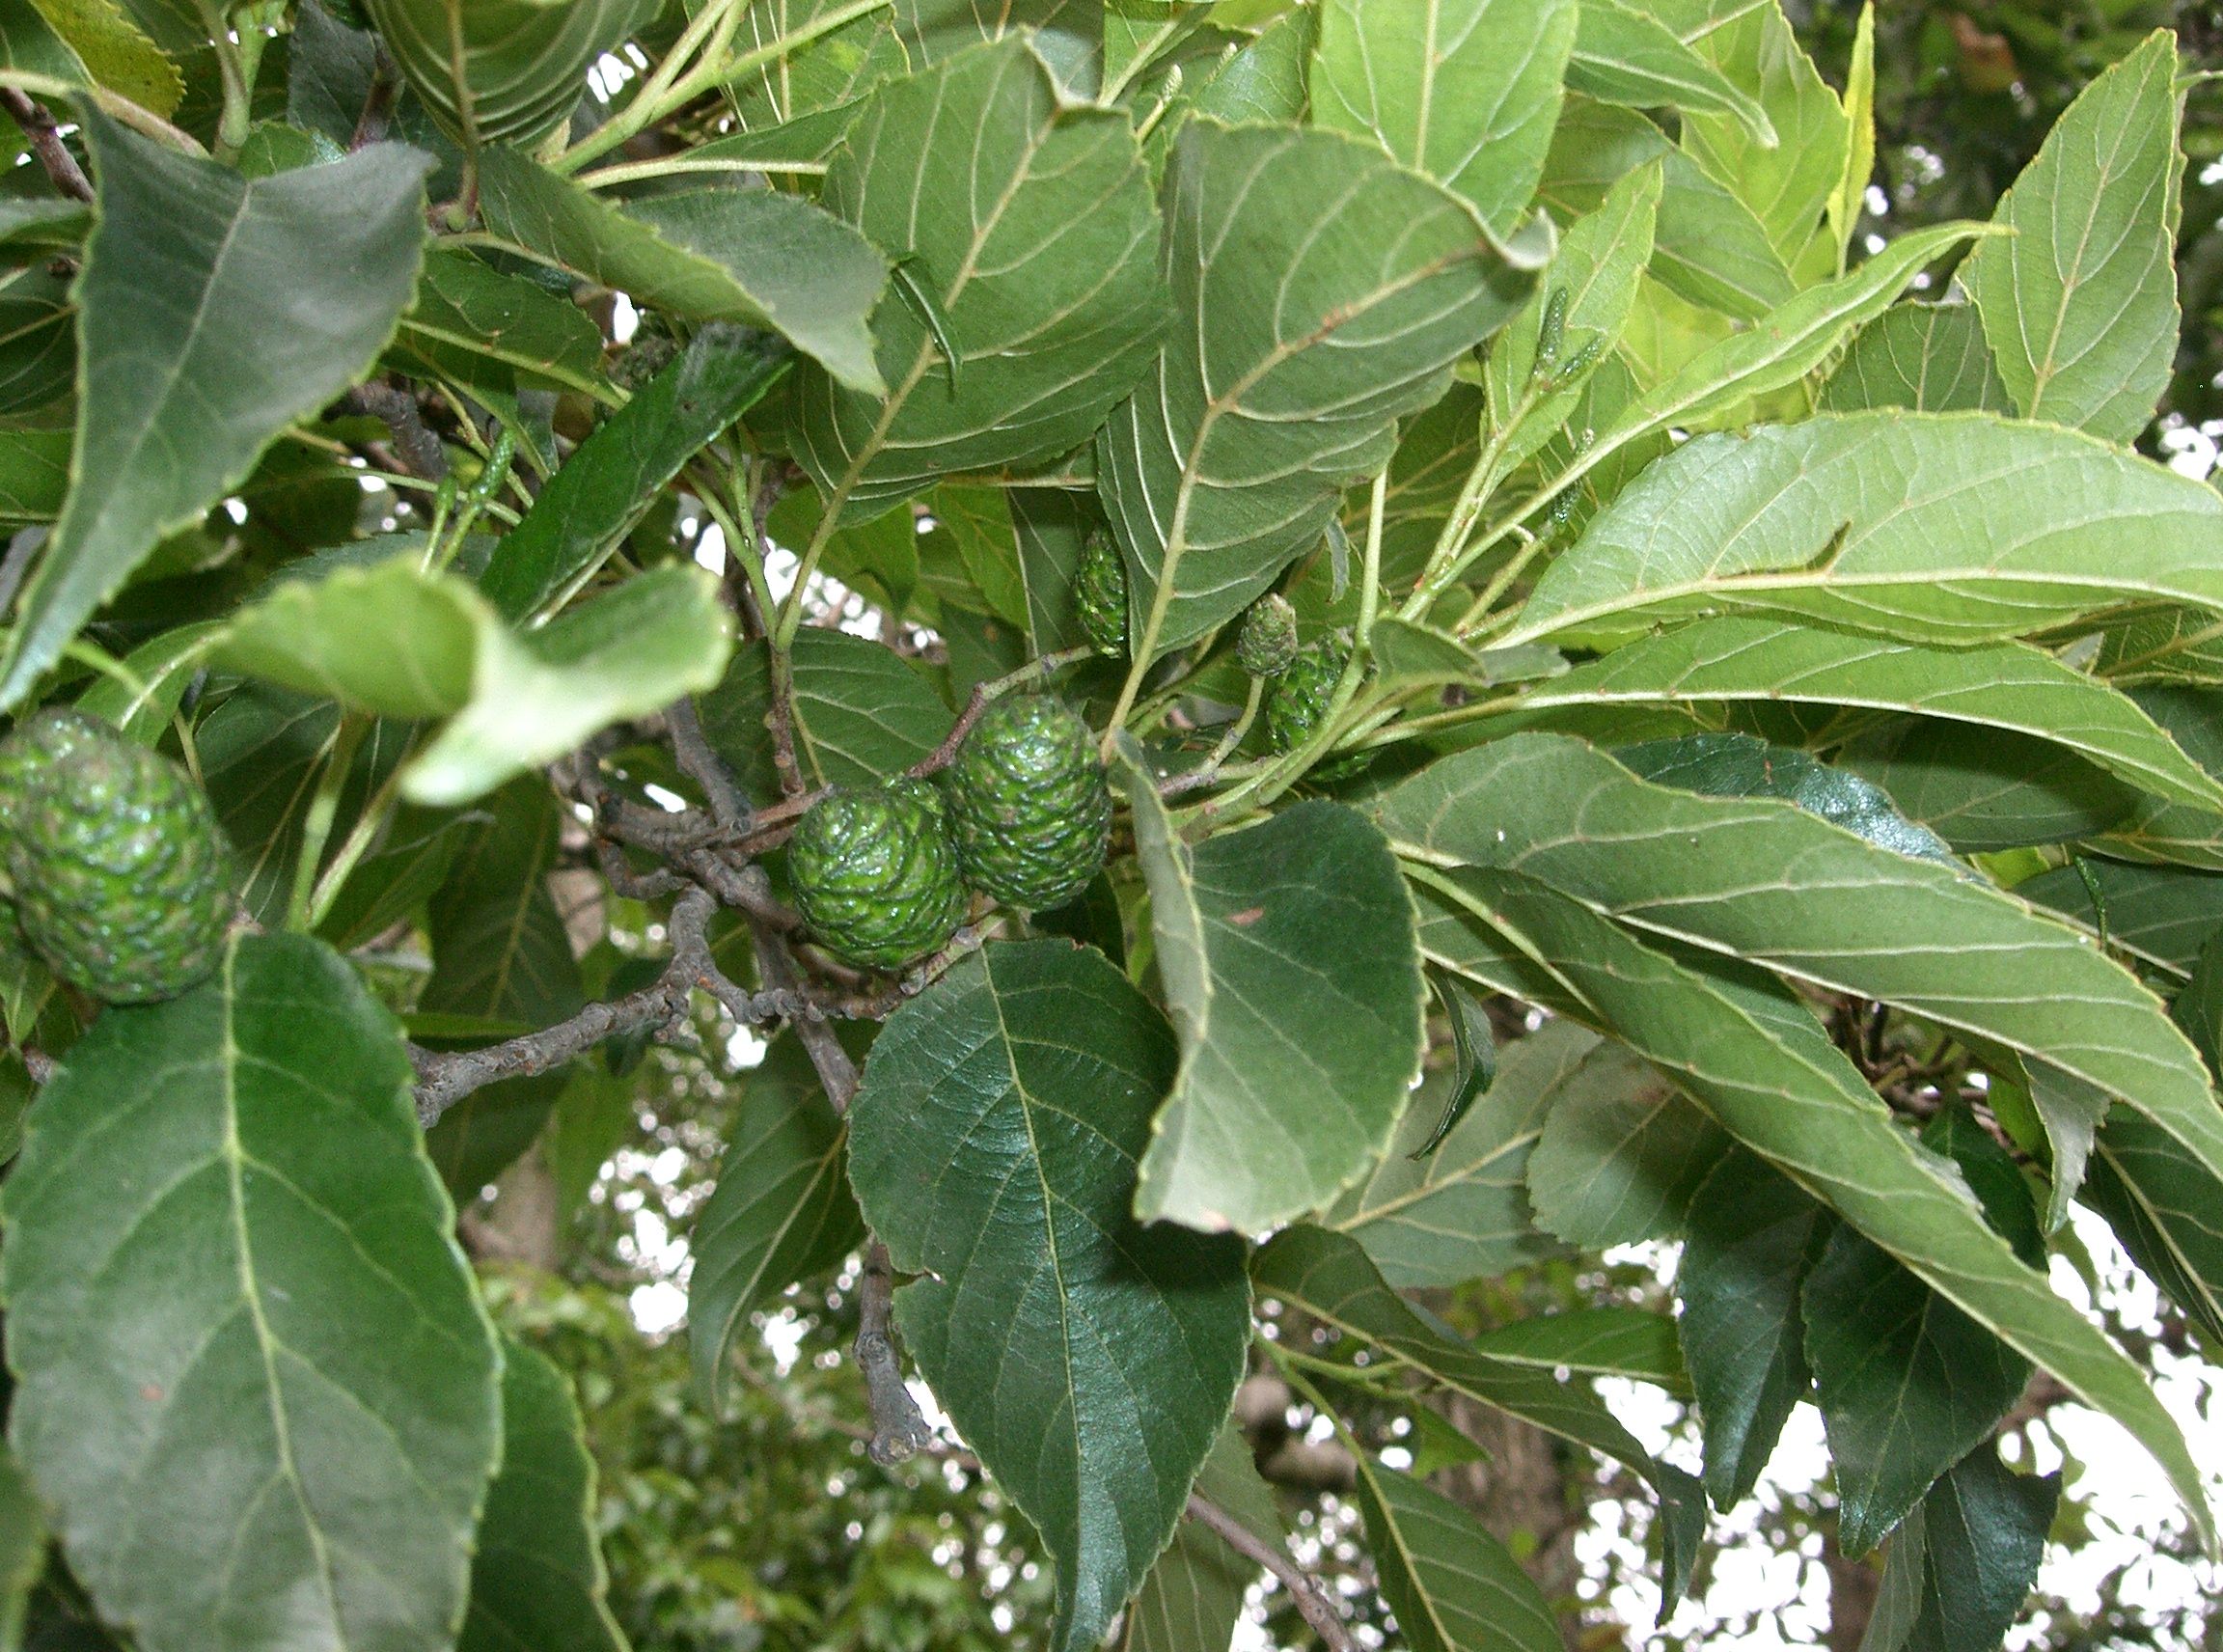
point(740, 533)
point(142, 121)
point(706, 35)
point(1503, 581)
point(353, 847)
point(323, 809)
point(677, 166)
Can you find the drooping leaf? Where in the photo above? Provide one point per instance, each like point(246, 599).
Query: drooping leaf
point(1623, 54)
point(1752, 1238)
point(1453, 1586)
point(213, 312)
point(1029, 254)
point(2080, 302)
point(1474, 1049)
point(1464, 90)
point(253, 1377)
point(1294, 981)
point(1461, 1211)
point(1195, 1594)
point(1963, 1563)
point(1928, 358)
point(2163, 915)
point(1231, 455)
point(1931, 528)
point(1609, 1340)
point(617, 472)
point(782, 1209)
point(1743, 765)
point(862, 715)
point(2168, 1212)
point(994, 1145)
point(496, 72)
point(2007, 687)
point(750, 256)
point(1619, 1155)
point(1769, 1074)
point(537, 1575)
point(1984, 791)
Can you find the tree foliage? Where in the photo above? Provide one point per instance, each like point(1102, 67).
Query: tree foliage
point(587, 488)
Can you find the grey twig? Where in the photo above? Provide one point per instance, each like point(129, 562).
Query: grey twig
point(46, 143)
point(421, 452)
point(900, 1430)
point(699, 761)
point(1311, 1600)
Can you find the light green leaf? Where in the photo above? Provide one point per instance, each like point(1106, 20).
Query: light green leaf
point(496, 72)
point(536, 1577)
point(1625, 55)
point(1231, 457)
point(622, 467)
point(1453, 1586)
point(1859, 104)
point(1464, 90)
point(1590, 287)
point(1293, 980)
point(1846, 915)
point(806, 81)
point(1928, 358)
point(1461, 1212)
point(253, 1377)
point(1089, 1359)
point(390, 640)
point(2080, 302)
point(465, 310)
point(94, 42)
point(1612, 1340)
point(1752, 1236)
point(1933, 527)
point(718, 255)
point(782, 1209)
point(23, 1547)
point(1035, 245)
point(631, 651)
point(1193, 1597)
point(1755, 1058)
point(1713, 250)
point(2009, 687)
point(1619, 1155)
point(862, 715)
point(213, 312)
point(1069, 34)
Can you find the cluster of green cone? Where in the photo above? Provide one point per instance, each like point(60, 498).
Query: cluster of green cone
point(120, 875)
point(881, 873)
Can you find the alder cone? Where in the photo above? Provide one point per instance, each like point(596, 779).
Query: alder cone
point(1029, 803)
point(122, 875)
point(875, 875)
point(1266, 641)
point(1100, 595)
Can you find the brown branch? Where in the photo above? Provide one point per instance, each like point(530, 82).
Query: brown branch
point(379, 102)
point(1310, 1599)
point(900, 1430)
point(780, 720)
point(420, 453)
point(700, 763)
point(45, 137)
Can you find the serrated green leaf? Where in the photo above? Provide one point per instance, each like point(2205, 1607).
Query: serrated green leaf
point(536, 1577)
point(1591, 285)
point(465, 310)
point(1453, 1586)
point(1195, 1594)
point(257, 1386)
point(1962, 1565)
point(1231, 456)
point(1461, 1211)
point(1619, 1155)
point(1294, 981)
point(618, 473)
point(1625, 55)
point(862, 715)
point(98, 44)
point(1034, 244)
point(2080, 302)
point(755, 257)
point(498, 72)
point(2010, 688)
point(1089, 1361)
point(782, 1209)
point(1951, 529)
point(213, 312)
point(1927, 358)
point(1753, 1236)
point(1465, 92)
point(1754, 1057)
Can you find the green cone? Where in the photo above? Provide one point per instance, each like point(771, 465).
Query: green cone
point(122, 875)
point(1267, 640)
point(1100, 594)
point(1299, 700)
point(1029, 804)
point(875, 875)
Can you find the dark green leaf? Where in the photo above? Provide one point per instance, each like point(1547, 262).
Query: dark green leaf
point(536, 1578)
point(213, 312)
point(1607, 1342)
point(1740, 765)
point(1987, 789)
point(2167, 1211)
point(2163, 915)
point(1475, 1047)
point(22, 1547)
point(780, 1212)
point(501, 71)
point(1293, 978)
point(1964, 1562)
point(1621, 1154)
point(1193, 1597)
point(1089, 1361)
point(862, 714)
point(1453, 1586)
point(253, 1376)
